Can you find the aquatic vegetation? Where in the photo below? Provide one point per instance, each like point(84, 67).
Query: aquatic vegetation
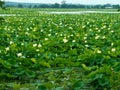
point(61, 51)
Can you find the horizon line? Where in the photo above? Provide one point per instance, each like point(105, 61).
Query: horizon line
point(60, 3)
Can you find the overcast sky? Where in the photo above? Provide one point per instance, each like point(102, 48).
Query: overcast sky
point(71, 1)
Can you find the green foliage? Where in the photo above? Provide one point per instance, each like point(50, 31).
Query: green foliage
point(118, 10)
point(61, 52)
point(1, 3)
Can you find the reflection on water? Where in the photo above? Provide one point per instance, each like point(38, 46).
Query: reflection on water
point(7, 14)
point(67, 12)
point(81, 12)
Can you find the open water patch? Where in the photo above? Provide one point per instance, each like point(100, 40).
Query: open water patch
point(8, 15)
point(83, 12)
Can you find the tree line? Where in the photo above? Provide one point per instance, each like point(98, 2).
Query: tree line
point(56, 5)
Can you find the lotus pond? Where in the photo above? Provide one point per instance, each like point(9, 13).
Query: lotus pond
point(59, 51)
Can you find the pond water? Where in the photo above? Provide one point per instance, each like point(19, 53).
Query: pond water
point(82, 12)
point(68, 12)
point(8, 15)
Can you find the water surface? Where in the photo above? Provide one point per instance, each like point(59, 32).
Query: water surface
point(83, 12)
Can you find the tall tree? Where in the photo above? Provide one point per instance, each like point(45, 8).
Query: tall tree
point(63, 4)
point(20, 6)
point(56, 5)
point(1, 4)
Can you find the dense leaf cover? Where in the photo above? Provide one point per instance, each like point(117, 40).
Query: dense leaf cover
point(61, 52)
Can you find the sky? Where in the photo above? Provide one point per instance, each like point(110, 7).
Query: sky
point(71, 1)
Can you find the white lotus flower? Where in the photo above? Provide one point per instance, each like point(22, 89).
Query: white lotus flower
point(85, 41)
point(50, 30)
point(17, 35)
point(46, 39)
point(22, 44)
point(90, 30)
point(65, 40)
point(49, 34)
point(37, 50)
point(11, 42)
point(73, 41)
point(26, 33)
point(19, 54)
point(103, 37)
point(86, 34)
point(7, 48)
point(41, 30)
point(108, 28)
point(112, 31)
point(61, 34)
point(71, 35)
point(27, 29)
point(98, 30)
point(113, 49)
point(86, 45)
point(83, 26)
point(39, 45)
point(70, 28)
point(56, 33)
point(85, 38)
point(97, 37)
point(112, 44)
point(34, 45)
point(98, 51)
point(104, 26)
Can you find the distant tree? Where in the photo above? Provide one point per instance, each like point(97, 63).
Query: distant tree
point(1, 4)
point(30, 6)
point(35, 6)
point(97, 6)
point(63, 4)
point(20, 6)
point(56, 5)
point(44, 6)
point(108, 6)
point(116, 6)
